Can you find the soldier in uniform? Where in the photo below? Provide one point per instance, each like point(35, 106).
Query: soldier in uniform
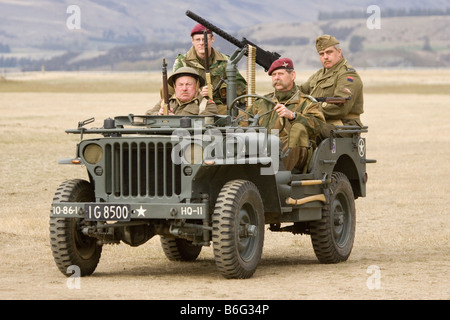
point(195, 58)
point(187, 99)
point(337, 78)
point(297, 115)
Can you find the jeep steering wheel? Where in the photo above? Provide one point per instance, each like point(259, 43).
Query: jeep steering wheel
point(255, 118)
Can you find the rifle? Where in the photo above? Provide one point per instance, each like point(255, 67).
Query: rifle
point(207, 72)
point(263, 58)
point(165, 88)
point(332, 100)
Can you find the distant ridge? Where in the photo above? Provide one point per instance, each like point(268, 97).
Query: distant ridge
point(135, 35)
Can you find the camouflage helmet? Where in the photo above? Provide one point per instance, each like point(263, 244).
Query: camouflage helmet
point(185, 71)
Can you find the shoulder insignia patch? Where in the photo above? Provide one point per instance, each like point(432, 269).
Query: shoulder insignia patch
point(350, 79)
point(347, 90)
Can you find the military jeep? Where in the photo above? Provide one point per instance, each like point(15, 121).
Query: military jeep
point(201, 180)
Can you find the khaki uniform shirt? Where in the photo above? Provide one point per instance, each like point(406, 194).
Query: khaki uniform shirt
point(217, 67)
point(197, 106)
point(343, 81)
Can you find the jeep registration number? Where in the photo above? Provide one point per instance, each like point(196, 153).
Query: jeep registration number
point(107, 212)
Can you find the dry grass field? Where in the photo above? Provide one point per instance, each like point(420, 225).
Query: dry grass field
point(403, 225)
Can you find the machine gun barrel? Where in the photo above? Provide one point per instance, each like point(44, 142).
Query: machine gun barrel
point(215, 29)
point(263, 58)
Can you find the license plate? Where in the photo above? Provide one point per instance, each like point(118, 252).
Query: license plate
point(65, 210)
point(107, 212)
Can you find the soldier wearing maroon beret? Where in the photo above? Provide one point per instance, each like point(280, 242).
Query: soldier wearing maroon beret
point(195, 58)
point(297, 115)
point(282, 63)
point(199, 29)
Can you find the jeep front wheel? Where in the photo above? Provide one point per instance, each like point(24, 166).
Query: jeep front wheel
point(332, 236)
point(179, 249)
point(70, 247)
point(238, 229)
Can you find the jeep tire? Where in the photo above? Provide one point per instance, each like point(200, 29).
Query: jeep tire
point(238, 229)
point(69, 246)
point(179, 249)
point(332, 237)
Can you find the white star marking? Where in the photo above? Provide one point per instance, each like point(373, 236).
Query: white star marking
point(361, 148)
point(141, 211)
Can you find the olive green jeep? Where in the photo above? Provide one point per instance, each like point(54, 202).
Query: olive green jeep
point(201, 180)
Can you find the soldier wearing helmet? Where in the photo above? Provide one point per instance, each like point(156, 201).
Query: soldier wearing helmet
point(187, 99)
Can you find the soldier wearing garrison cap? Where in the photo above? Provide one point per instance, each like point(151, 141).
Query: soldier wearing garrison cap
point(297, 115)
point(195, 58)
point(187, 99)
point(337, 78)
point(325, 41)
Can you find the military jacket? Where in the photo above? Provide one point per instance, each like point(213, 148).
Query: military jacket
point(197, 106)
point(341, 80)
point(308, 112)
point(217, 67)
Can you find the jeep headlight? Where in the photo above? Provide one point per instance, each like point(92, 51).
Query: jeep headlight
point(193, 153)
point(93, 153)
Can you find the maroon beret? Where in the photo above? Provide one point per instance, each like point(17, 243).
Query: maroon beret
point(198, 29)
point(283, 63)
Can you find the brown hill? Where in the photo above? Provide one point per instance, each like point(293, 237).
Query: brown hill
point(400, 41)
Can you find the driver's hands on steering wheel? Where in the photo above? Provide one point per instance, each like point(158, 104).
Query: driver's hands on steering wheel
point(284, 112)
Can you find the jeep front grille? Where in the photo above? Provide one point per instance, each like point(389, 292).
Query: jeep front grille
point(141, 169)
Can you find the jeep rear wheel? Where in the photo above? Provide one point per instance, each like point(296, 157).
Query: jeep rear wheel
point(332, 236)
point(178, 249)
point(69, 245)
point(238, 229)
